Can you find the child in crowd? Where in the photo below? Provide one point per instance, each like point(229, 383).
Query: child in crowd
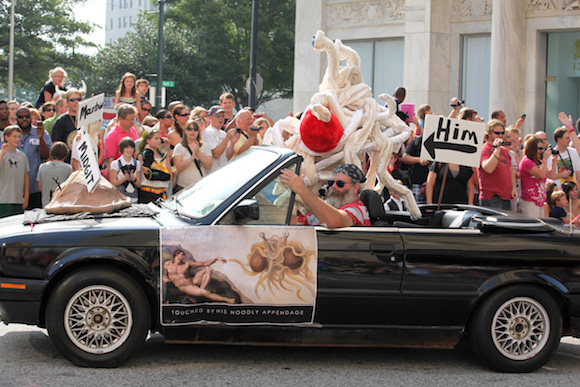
point(142, 87)
point(125, 172)
point(53, 172)
point(13, 174)
point(127, 92)
point(395, 202)
point(560, 201)
point(156, 166)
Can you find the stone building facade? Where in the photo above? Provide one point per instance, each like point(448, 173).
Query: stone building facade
point(520, 56)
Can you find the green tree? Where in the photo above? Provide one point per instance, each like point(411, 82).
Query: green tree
point(206, 51)
point(46, 35)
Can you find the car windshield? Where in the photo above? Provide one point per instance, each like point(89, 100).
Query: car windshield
point(211, 191)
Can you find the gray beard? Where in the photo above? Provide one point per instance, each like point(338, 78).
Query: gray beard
point(338, 199)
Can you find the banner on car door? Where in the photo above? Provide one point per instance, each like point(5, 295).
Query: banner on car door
point(238, 275)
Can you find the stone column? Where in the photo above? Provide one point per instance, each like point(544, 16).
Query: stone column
point(508, 53)
point(310, 17)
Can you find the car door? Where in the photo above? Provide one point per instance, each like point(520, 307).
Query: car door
point(359, 275)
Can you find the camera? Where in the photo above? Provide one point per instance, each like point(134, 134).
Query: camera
point(255, 128)
point(238, 130)
point(38, 123)
point(555, 151)
point(459, 103)
point(506, 143)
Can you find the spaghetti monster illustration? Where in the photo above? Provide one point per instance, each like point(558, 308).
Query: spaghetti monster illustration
point(280, 264)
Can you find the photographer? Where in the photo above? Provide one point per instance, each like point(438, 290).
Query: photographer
point(568, 160)
point(533, 173)
point(497, 180)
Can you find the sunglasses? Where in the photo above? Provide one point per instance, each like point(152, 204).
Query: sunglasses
point(541, 149)
point(75, 99)
point(182, 115)
point(339, 183)
point(191, 129)
point(145, 109)
point(499, 133)
point(22, 117)
point(48, 110)
point(169, 117)
point(220, 115)
point(198, 118)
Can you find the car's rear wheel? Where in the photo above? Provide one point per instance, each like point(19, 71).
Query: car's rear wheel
point(517, 329)
point(98, 317)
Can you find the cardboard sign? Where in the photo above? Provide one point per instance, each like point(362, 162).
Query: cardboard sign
point(268, 276)
point(454, 141)
point(88, 159)
point(90, 110)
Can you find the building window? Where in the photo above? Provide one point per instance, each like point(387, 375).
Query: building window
point(381, 64)
point(475, 68)
point(112, 5)
point(130, 21)
point(125, 4)
point(119, 22)
point(131, 4)
point(111, 23)
point(124, 21)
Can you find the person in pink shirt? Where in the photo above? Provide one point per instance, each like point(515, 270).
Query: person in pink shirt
point(124, 128)
point(533, 172)
point(497, 180)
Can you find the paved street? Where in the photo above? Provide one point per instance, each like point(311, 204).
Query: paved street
point(28, 358)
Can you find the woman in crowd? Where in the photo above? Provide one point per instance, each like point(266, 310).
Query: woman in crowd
point(458, 185)
point(127, 92)
point(49, 92)
point(48, 110)
point(199, 114)
point(191, 157)
point(533, 173)
point(165, 125)
point(181, 116)
point(571, 190)
point(156, 167)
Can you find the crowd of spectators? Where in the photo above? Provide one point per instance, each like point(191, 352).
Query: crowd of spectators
point(149, 157)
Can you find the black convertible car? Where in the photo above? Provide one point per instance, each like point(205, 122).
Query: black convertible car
point(220, 263)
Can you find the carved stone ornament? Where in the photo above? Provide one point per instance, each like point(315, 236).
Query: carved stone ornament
point(471, 9)
point(552, 6)
point(355, 13)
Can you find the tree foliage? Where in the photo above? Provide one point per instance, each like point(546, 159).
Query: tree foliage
point(46, 35)
point(206, 50)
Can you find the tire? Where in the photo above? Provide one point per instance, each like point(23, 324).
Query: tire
point(98, 317)
point(517, 329)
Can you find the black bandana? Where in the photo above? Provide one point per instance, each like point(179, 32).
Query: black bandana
point(351, 171)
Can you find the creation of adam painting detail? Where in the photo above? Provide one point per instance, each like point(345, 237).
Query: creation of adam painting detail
point(261, 275)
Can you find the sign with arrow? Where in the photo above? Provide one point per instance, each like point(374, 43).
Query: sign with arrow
point(450, 140)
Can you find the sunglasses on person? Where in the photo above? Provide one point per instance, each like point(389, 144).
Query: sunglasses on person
point(23, 117)
point(499, 133)
point(220, 115)
point(48, 110)
point(182, 114)
point(339, 183)
point(146, 110)
point(191, 129)
point(169, 116)
point(75, 99)
point(541, 149)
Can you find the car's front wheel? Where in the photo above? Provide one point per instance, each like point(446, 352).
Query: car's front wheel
point(98, 317)
point(517, 329)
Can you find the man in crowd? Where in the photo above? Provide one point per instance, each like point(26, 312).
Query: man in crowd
point(568, 160)
point(67, 123)
point(12, 107)
point(35, 143)
point(342, 207)
point(124, 128)
point(221, 143)
point(4, 115)
point(61, 108)
point(227, 102)
point(497, 180)
point(248, 136)
point(500, 116)
point(469, 114)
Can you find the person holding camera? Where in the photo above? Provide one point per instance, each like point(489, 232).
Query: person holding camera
point(248, 132)
point(497, 180)
point(567, 158)
point(533, 173)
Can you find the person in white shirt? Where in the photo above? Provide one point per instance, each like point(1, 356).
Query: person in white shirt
point(567, 158)
point(219, 142)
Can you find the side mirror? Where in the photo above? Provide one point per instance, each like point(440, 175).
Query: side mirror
point(247, 210)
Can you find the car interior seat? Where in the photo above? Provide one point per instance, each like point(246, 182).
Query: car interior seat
point(373, 202)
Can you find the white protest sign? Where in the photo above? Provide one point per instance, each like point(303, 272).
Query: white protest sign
point(90, 110)
point(88, 160)
point(450, 140)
